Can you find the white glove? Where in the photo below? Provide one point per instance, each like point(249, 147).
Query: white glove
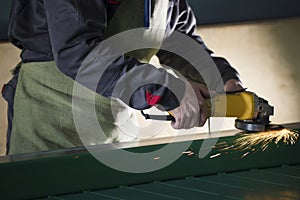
point(192, 111)
point(233, 85)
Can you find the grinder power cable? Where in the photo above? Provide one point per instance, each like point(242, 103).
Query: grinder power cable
point(252, 112)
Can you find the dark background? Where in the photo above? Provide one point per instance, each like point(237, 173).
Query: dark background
point(211, 11)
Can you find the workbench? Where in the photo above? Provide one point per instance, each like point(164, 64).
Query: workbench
point(75, 174)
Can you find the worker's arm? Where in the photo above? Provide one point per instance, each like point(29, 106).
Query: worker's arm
point(186, 24)
point(76, 27)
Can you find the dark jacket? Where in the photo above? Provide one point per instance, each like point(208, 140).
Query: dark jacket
point(66, 31)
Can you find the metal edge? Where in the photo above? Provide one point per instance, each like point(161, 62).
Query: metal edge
point(125, 145)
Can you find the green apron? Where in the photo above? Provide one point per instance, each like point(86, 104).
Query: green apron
point(43, 117)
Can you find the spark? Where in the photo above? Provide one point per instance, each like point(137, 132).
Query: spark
point(245, 154)
point(261, 141)
point(216, 155)
point(190, 154)
point(264, 139)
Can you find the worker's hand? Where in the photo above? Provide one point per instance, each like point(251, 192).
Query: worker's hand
point(192, 111)
point(233, 85)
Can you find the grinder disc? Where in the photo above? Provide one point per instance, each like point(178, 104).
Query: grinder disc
point(250, 126)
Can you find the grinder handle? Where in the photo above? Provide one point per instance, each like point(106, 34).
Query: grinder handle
point(240, 105)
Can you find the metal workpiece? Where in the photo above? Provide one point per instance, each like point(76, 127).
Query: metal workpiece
point(225, 173)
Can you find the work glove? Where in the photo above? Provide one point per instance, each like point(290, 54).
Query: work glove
point(192, 111)
point(233, 85)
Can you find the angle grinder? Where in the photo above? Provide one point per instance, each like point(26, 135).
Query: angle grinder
point(252, 112)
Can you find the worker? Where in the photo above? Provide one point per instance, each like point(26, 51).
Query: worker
point(55, 38)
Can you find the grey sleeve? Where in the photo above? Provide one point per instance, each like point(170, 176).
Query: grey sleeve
point(76, 28)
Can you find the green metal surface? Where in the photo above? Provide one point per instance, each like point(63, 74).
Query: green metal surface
point(274, 183)
point(56, 175)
